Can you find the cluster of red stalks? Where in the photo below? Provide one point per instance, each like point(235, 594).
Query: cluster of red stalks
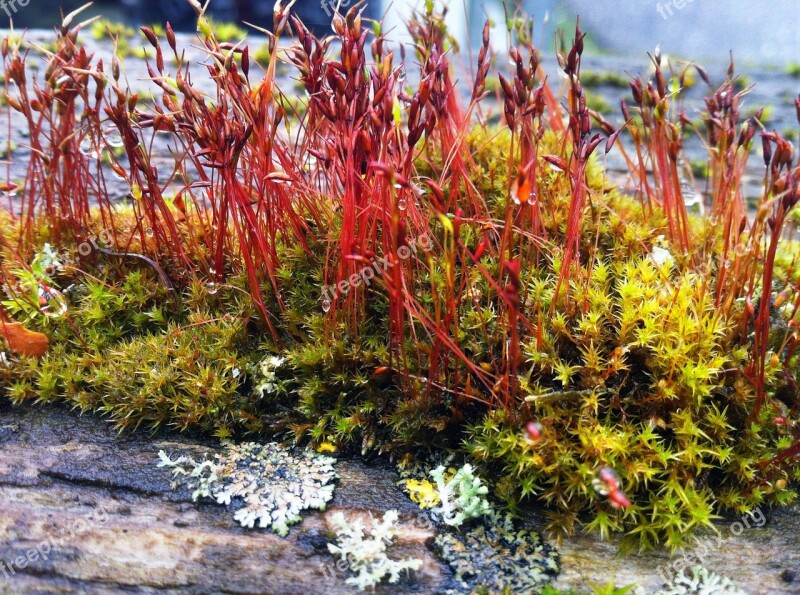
point(253, 176)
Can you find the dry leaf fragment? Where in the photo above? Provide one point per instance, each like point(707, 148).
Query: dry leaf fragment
point(22, 341)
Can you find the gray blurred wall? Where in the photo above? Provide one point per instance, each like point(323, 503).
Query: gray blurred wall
point(759, 31)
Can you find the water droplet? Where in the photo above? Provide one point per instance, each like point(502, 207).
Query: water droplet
point(52, 302)
point(149, 232)
point(114, 138)
point(212, 288)
point(402, 204)
point(326, 305)
point(86, 145)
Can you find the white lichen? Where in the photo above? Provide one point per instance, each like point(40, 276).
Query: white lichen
point(267, 484)
point(47, 258)
point(700, 581)
point(366, 555)
point(462, 495)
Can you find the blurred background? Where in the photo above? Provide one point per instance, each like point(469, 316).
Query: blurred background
point(765, 32)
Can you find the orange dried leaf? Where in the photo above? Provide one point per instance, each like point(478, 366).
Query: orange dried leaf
point(22, 341)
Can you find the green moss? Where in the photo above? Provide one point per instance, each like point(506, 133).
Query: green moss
point(598, 103)
point(700, 168)
point(139, 360)
point(227, 31)
point(632, 366)
point(104, 29)
point(591, 80)
point(262, 54)
point(766, 116)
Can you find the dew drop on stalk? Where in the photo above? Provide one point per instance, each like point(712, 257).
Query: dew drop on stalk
point(9, 191)
point(149, 232)
point(114, 139)
point(86, 145)
point(326, 305)
point(402, 204)
point(52, 302)
point(212, 288)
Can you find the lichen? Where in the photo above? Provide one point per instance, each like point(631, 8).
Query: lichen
point(461, 494)
point(699, 581)
point(422, 492)
point(265, 377)
point(265, 483)
point(366, 556)
point(498, 557)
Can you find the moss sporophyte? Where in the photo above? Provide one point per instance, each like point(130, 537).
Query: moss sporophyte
point(593, 345)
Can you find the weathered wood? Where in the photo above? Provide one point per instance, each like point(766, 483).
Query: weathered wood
point(86, 510)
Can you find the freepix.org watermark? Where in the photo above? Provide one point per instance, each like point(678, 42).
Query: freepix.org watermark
point(667, 9)
point(42, 551)
point(331, 6)
point(368, 272)
point(10, 7)
point(703, 546)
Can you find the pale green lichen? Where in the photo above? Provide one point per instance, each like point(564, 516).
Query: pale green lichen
point(366, 556)
point(700, 581)
point(462, 496)
point(266, 483)
point(266, 382)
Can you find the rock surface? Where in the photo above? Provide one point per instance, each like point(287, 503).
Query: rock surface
point(86, 510)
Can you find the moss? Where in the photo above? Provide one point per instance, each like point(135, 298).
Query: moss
point(592, 79)
point(631, 370)
point(700, 168)
point(227, 31)
point(766, 116)
point(598, 103)
point(262, 54)
point(103, 29)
